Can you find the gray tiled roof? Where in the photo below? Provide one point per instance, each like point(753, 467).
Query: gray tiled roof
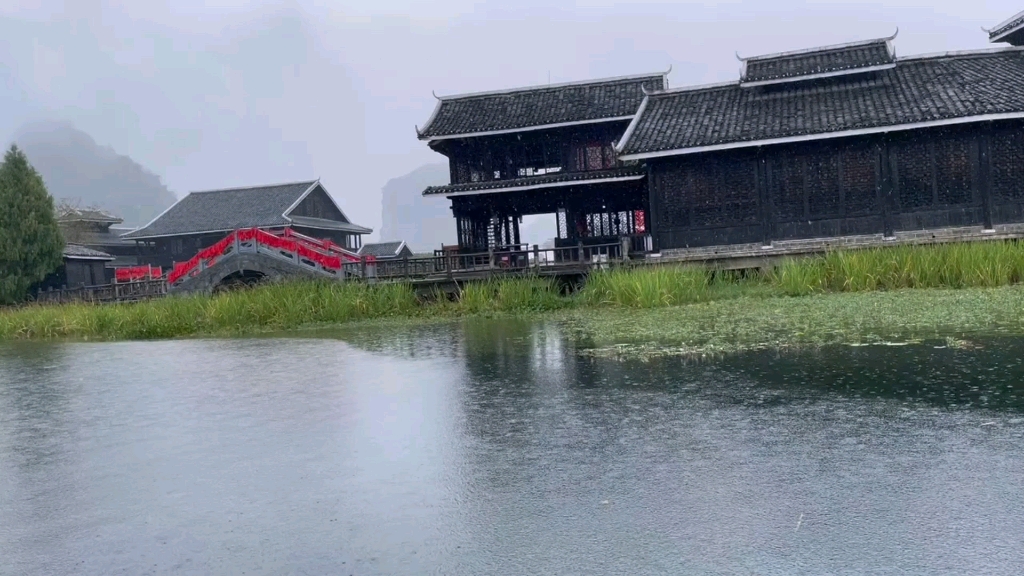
point(88, 215)
point(381, 249)
point(76, 252)
point(821, 61)
point(222, 210)
point(919, 89)
point(541, 106)
point(109, 237)
point(559, 178)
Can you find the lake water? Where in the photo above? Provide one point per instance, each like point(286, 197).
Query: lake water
point(496, 448)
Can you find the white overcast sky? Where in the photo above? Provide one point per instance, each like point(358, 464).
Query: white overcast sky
point(233, 92)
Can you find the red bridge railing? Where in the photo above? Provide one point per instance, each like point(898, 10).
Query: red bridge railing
point(137, 274)
point(322, 253)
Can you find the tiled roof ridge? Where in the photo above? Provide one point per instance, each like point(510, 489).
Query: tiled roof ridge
point(258, 187)
point(695, 88)
point(956, 54)
point(545, 87)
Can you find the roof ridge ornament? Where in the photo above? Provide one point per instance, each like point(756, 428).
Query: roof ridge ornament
point(434, 92)
point(894, 35)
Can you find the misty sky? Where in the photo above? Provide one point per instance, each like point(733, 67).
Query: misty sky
point(239, 92)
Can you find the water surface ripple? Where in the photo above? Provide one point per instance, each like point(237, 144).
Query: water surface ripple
point(493, 447)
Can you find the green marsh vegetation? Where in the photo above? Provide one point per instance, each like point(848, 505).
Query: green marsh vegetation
point(858, 296)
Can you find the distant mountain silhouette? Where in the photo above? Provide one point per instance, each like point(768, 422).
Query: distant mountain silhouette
point(424, 223)
point(77, 169)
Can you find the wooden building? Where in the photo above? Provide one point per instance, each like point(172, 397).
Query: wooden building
point(81, 266)
point(98, 230)
point(541, 150)
point(203, 218)
point(837, 141)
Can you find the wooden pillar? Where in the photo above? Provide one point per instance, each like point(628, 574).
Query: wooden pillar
point(651, 215)
point(764, 198)
point(885, 183)
point(983, 172)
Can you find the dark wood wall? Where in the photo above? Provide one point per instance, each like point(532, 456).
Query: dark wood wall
point(319, 205)
point(531, 153)
point(970, 175)
point(84, 273)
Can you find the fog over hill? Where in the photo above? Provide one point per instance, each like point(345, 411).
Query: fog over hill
point(424, 223)
point(76, 168)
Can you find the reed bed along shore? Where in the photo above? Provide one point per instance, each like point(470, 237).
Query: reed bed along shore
point(300, 304)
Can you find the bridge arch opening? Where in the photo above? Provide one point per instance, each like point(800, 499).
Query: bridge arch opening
point(239, 280)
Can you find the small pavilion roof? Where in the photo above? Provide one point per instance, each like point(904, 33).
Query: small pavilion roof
point(382, 249)
point(820, 62)
point(539, 107)
point(78, 252)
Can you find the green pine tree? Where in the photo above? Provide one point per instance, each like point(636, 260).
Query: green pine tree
point(30, 241)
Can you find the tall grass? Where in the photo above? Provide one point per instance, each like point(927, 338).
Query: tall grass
point(271, 307)
point(511, 295)
point(297, 304)
point(964, 265)
point(648, 287)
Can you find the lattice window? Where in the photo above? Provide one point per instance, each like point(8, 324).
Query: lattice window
point(595, 157)
point(915, 176)
point(461, 171)
point(953, 171)
point(1007, 156)
point(610, 158)
point(560, 224)
point(640, 221)
point(860, 181)
point(824, 197)
point(787, 187)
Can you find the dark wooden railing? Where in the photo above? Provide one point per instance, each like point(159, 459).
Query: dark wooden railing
point(519, 258)
point(116, 292)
